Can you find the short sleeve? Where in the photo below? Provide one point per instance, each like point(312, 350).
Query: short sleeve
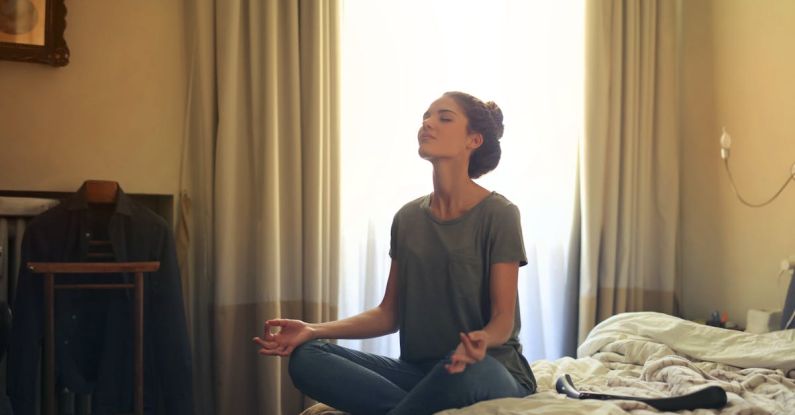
point(393, 238)
point(506, 241)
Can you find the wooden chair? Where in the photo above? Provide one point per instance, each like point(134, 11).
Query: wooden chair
point(50, 270)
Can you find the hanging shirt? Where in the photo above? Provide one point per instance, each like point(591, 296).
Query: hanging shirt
point(94, 329)
point(444, 273)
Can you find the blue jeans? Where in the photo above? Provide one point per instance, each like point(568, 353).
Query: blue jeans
point(365, 383)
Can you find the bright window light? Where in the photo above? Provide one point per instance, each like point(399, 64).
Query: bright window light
point(399, 56)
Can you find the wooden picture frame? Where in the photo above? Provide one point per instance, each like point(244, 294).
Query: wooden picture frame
point(32, 31)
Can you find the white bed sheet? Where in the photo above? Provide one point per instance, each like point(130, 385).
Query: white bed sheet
point(657, 355)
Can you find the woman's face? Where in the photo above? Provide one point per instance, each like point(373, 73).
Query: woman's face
point(443, 133)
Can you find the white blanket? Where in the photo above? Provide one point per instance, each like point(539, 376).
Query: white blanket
point(657, 355)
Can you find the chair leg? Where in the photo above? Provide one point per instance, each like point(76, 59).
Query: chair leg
point(49, 344)
point(139, 343)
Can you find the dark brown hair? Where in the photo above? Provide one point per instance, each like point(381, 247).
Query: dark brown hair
point(484, 118)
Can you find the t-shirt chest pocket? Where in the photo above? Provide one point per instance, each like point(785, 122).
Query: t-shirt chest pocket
point(465, 274)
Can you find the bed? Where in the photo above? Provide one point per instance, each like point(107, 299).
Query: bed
point(656, 355)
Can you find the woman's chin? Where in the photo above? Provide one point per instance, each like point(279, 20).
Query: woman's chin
point(426, 155)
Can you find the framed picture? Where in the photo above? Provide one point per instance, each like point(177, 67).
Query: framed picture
point(32, 31)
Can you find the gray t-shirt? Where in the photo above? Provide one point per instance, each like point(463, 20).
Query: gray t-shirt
point(444, 269)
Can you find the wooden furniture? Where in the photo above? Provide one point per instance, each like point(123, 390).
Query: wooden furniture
point(101, 191)
point(50, 270)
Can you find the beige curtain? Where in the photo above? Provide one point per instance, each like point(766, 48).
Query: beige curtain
point(258, 213)
point(629, 161)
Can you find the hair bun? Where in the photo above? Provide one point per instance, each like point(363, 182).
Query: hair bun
point(496, 116)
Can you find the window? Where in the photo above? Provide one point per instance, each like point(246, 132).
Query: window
point(399, 56)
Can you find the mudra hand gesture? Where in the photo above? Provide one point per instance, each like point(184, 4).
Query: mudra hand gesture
point(291, 334)
point(472, 349)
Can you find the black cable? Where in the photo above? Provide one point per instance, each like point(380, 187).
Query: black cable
point(711, 397)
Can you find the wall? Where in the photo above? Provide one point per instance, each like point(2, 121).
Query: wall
point(115, 112)
point(738, 71)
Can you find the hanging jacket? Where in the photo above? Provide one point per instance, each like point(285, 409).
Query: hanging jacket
point(93, 339)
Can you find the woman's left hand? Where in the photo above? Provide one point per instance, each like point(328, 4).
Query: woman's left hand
point(472, 349)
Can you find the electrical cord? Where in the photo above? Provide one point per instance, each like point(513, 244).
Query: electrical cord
point(790, 178)
point(725, 151)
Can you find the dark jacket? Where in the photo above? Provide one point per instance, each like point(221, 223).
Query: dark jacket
point(93, 337)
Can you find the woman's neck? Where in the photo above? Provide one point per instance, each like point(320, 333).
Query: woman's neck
point(454, 193)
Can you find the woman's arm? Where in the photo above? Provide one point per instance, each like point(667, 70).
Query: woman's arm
point(504, 281)
point(502, 291)
point(371, 323)
point(374, 322)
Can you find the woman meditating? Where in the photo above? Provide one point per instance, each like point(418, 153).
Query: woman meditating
point(451, 290)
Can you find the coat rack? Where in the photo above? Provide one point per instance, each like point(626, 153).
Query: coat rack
point(101, 191)
point(96, 192)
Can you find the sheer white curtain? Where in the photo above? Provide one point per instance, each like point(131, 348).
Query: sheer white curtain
point(397, 57)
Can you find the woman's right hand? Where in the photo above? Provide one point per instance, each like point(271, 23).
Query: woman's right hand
point(291, 334)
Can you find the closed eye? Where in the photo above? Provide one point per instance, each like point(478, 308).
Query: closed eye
point(444, 115)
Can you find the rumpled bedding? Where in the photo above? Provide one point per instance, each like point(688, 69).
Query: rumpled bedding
point(655, 355)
